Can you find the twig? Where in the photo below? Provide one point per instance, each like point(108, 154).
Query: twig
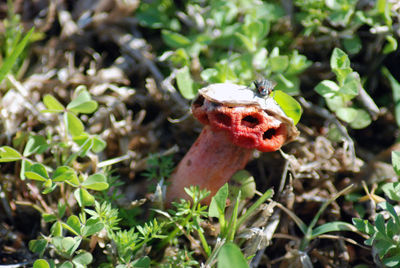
point(368, 102)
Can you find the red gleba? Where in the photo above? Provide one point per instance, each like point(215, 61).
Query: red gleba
point(237, 120)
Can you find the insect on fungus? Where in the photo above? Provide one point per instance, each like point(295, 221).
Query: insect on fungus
point(264, 86)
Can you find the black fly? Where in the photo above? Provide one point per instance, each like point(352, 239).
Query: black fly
point(264, 86)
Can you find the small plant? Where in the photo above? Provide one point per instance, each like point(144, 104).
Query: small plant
point(312, 232)
point(384, 231)
point(13, 43)
point(339, 96)
point(159, 167)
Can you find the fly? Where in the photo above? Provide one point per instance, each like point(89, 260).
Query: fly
point(264, 86)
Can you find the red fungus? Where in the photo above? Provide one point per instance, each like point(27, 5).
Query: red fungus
point(233, 129)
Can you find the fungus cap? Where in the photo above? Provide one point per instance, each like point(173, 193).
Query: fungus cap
point(251, 121)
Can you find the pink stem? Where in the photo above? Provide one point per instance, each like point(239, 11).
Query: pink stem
point(209, 164)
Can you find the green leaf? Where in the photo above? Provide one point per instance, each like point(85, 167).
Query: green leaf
point(380, 223)
point(143, 262)
point(85, 142)
point(339, 59)
point(73, 224)
point(97, 182)
point(52, 104)
point(347, 114)
point(175, 40)
point(64, 173)
point(49, 217)
point(334, 103)
point(393, 261)
point(56, 229)
point(352, 45)
point(298, 63)
point(242, 181)
point(327, 89)
point(340, 64)
point(38, 246)
point(388, 207)
point(74, 124)
point(362, 120)
point(333, 227)
point(230, 256)
point(12, 58)
point(98, 144)
point(83, 259)
point(233, 221)
point(82, 103)
point(36, 144)
point(247, 42)
point(396, 93)
point(351, 86)
point(289, 105)
point(218, 202)
point(8, 154)
point(209, 75)
point(185, 83)
point(84, 108)
point(396, 161)
point(69, 244)
point(392, 189)
point(179, 58)
point(92, 226)
point(279, 63)
point(49, 186)
point(281, 79)
point(37, 172)
point(61, 209)
point(41, 263)
point(83, 197)
point(391, 45)
point(384, 8)
point(363, 226)
point(66, 264)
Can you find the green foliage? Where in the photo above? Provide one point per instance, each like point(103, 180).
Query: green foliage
point(311, 232)
point(384, 231)
point(13, 43)
point(231, 49)
point(339, 96)
point(16, 51)
point(185, 83)
point(289, 105)
point(130, 241)
point(383, 235)
point(341, 19)
point(159, 167)
point(189, 214)
point(82, 103)
point(41, 263)
point(231, 256)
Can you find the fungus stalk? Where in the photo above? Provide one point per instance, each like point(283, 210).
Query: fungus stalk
point(209, 164)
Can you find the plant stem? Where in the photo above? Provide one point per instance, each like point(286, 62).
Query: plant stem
point(253, 207)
